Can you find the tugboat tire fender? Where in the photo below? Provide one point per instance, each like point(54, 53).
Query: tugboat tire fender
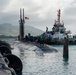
point(5, 50)
point(14, 62)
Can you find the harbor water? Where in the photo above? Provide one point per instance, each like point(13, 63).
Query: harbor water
point(38, 62)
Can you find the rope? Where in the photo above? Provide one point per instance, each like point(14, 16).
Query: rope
point(4, 66)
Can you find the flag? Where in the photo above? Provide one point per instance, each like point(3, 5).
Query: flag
point(26, 18)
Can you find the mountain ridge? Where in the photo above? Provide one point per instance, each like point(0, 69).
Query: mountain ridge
point(9, 29)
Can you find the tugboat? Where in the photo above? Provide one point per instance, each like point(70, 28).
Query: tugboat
point(58, 33)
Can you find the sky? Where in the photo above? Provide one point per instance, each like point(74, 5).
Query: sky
point(41, 13)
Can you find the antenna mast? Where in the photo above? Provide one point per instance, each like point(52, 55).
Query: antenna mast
point(59, 16)
point(21, 22)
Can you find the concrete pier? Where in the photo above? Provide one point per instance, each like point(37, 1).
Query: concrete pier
point(3, 71)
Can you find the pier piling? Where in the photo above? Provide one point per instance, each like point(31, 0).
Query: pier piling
point(65, 48)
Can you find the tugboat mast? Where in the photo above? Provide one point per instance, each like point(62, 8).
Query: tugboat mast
point(59, 16)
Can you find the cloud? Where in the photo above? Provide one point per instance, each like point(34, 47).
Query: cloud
point(42, 13)
point(3, 4)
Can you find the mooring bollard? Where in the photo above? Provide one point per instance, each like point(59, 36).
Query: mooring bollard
point(65, 48)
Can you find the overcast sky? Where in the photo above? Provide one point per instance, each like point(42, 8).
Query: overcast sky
point(41, 13)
